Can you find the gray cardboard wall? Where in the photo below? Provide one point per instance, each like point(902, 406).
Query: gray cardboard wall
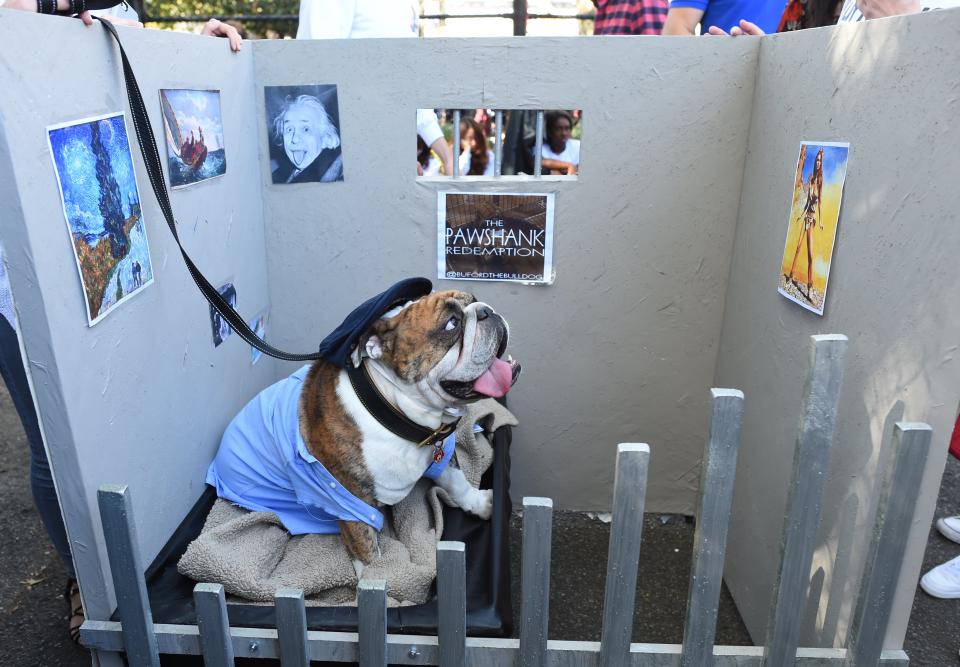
point(142, 397)
point(622, 347)
point(889, 88)
point(606, 361)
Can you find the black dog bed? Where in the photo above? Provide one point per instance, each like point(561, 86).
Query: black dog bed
point(487, 545)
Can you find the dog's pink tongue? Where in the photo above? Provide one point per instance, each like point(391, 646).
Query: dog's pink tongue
point(496, 380)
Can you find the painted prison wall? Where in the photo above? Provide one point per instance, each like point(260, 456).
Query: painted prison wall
point(142, 397)
point(889, 88)
point(622, 348)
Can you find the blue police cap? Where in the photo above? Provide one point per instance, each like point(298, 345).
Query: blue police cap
point(336, 347)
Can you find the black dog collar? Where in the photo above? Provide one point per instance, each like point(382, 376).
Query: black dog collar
point(390, 417)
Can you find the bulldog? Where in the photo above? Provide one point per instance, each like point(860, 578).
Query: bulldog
point(326, 447)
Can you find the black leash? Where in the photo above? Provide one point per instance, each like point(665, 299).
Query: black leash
point(151, 159)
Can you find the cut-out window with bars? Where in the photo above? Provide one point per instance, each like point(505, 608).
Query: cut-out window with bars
point(497, 143)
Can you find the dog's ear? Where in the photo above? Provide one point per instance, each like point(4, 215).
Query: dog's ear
point(377, 342)
point(373, 347)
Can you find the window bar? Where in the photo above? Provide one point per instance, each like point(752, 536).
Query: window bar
point(538, 147)
point(498, 145)
point(519, 18)
point(456, 143)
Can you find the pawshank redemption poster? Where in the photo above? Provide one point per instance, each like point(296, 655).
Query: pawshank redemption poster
point(503, 236)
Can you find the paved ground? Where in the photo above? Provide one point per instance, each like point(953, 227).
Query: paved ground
point(33, 615)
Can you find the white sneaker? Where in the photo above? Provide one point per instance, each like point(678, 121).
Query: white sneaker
point(943, 581)
point(949, 527)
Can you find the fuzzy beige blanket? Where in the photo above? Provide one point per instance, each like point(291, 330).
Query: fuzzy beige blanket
point(253, 555)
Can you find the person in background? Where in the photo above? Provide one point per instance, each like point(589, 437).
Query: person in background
point(804, 14)
point(629, 17)
point(560, 154)
point(476, 158)
point(357, 19)
point(11, 362)
point(114, 10)
point(118, 13)
point(943, 581)
point(853, 11)
point(429, 132)
point(684, 15)
point(41, 479)
point(861, 10)
point(427, 163)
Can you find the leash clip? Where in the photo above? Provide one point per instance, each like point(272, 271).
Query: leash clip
point(438, 436)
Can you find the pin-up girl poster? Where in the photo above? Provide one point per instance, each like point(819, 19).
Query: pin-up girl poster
point(812, 227)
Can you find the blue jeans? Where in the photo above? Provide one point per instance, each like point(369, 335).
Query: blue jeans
point(41, 481)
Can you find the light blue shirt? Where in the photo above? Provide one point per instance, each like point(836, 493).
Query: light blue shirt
point(263, 465)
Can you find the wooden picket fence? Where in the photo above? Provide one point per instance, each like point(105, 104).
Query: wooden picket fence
point(372, 646)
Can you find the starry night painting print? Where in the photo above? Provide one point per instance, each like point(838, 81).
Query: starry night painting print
point(101, 203)
point(194, 133)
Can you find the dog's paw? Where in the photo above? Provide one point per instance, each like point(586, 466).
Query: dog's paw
point(358, 567)
point(482, 504)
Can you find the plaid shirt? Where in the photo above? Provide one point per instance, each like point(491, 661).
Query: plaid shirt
point(630, 17)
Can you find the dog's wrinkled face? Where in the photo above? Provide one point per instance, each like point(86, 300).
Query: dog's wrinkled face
point(447, 346)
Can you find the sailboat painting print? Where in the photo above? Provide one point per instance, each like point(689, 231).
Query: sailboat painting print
point(194, 134)
point(101, 204)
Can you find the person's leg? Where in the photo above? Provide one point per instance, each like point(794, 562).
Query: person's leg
point(41, 480)
point(809, 260)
